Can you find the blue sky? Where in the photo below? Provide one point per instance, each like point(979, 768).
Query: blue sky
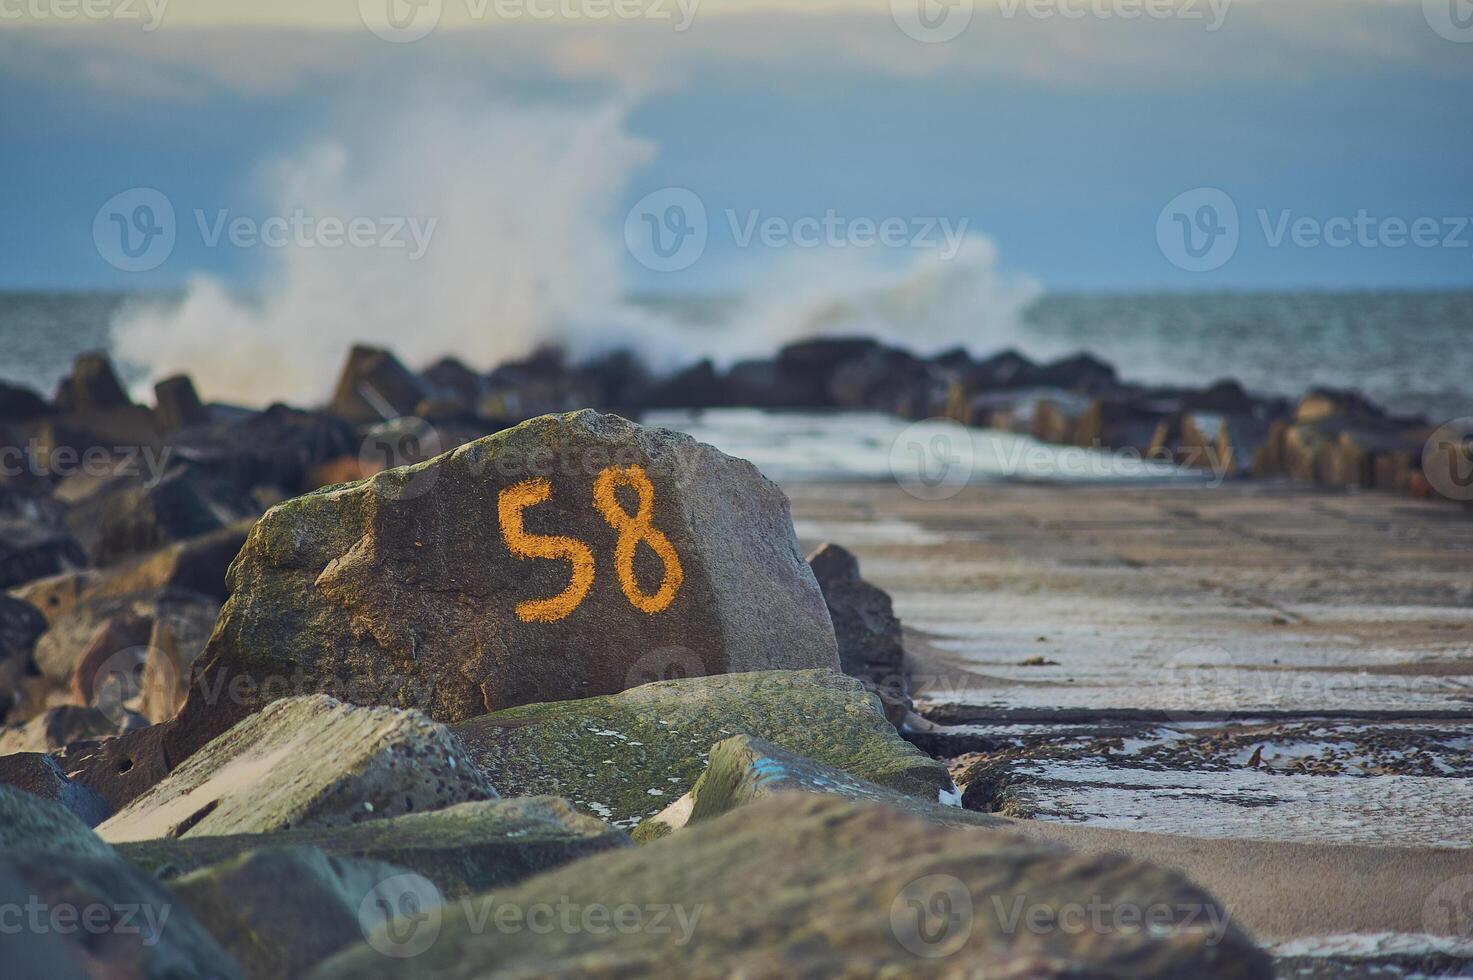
point(1060, 141)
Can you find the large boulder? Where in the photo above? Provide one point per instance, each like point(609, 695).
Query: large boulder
point(462, 849)
point(30, 824)
point(803, 885)
point(627, 756)
point(551, 561)
point(280, 911)
point(41, 775)
point(305, 762)
point(98, 917)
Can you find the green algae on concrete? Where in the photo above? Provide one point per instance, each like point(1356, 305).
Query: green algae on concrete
point(744, 769)
point(627, 756)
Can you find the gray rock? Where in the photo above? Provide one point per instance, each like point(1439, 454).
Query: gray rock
point(92, 385)
point(462, 849)
point(408, 589)
point(305, 762)
point(64, 725)
point(865, 626)
point(98, 917)
point(177, 405)
point(801, 885)
point(624, 757)
point(374, 387)
point(281, 910)
point(32, 825)
point(41, 775)
point(20, 624)
point(744, 769)
point(136, 516)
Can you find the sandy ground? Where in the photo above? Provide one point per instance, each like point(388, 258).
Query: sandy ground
point(1267, 686)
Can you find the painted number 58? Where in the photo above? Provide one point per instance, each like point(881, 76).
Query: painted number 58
point(632, 528)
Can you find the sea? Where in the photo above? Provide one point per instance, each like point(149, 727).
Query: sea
point(1412, 352)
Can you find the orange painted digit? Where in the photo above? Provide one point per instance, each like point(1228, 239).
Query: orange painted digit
point(634, 528)
point(509, 506)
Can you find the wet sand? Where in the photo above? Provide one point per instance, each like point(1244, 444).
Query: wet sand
point(1267, 686)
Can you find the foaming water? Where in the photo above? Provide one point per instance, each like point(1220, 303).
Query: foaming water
point(936, 458)
point(521, 206)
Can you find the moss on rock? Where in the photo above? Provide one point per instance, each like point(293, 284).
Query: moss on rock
point(627, 756)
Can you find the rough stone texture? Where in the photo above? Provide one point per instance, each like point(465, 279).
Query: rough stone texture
point(20, 624)
point(61, 726)
point(462, 849)
point(280, 911)
point(29, 551)
point(177, 405)
point(40, 775)
point(801, 885)
point(138, 516)
point(744, 769)
point(112, 622)
point(274, 448)
point(177, 640)
point(625, 757)
point(91, 385)
point(142, 931)
point(373, 387)
point(305, 762)
point(404, 585)
point(865, 627)
point(32, 825)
